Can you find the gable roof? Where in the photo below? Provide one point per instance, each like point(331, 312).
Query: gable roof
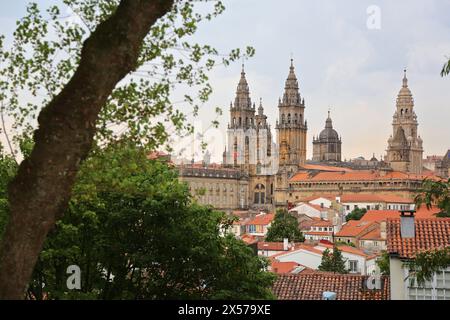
point(430, 234)
point(311, 287)
point(360, 175)
point(353, 228)
point(262, 219)
point(383, 215)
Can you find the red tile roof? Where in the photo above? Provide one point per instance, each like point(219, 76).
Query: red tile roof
point(360, 175)
point(324, 168)
point(361, 197)
point(383, 215)
point(283, 267)
point(347, 249)
point(272, 246)
point(430, 234)
point(262, 219)
point(321, 223)
point(311, 287)
point(354, 228)
point(375, 234)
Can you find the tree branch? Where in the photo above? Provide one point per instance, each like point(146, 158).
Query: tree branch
point(40, 192)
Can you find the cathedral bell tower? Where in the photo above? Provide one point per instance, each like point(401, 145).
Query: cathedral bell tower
point(291, 129)
point(405, 151)
point(291, 125)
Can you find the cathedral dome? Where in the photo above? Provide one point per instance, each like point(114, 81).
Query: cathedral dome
point(329, 133)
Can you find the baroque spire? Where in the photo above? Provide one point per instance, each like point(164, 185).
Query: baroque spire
point(242, 100)
point(291, 95)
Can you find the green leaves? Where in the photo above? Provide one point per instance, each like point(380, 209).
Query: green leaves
point(285, 225)
point(130, 218)
point(435, 193)
point(356, 214)
point(445, 69)
point(46, 50)
point(333, 261)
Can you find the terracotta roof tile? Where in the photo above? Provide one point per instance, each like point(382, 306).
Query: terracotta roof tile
point(430, 234)
point(354, 228)
point(383, 215)
point(311, 287)
point(262, 219)
point(360, 175)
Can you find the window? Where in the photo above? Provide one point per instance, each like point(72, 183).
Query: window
point(348, 207)
point(252, 228)
point(353, 265)
point(260, 194)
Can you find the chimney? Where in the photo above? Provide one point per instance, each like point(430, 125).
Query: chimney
point(407, 225)
point(285, 244)
point(383, 229)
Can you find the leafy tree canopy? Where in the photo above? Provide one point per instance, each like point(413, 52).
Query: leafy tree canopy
point(284, 225)
point(333, 261)
point(135, 233)
point(356, 214)
point(435, 193)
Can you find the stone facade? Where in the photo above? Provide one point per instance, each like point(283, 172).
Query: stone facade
point(291, 129)
point(327, 146)
point(224, 189)
point(250, 147)
point(405, 151)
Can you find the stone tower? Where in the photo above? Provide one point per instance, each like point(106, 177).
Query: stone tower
point(291, 129)
point(249, 135)
point(291, 125)
point(405, 151)
point(327, 146)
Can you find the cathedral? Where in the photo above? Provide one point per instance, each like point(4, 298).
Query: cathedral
point(257, 174)
point(327, 146)
point(405, 151)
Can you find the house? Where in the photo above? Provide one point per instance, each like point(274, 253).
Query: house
point(288, 268)
point(311, 286)
point(259, 225)
point(310, 256)
point(408, 235)
point(320, 230)
point(311, 210)
point(353, 230)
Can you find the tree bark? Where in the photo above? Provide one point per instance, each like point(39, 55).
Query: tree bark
point(40, 192)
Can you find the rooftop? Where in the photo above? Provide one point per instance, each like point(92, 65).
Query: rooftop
point(311, 287)
point(360, 175)
point(262, 219)
point(430, 234)
point(353, 228)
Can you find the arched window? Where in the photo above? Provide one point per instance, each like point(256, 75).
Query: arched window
point(240, 121)
point(282, 119)
point(289, 118)
point(401, 112)
point(234, 121)
point(260, 194)
point(295, 118)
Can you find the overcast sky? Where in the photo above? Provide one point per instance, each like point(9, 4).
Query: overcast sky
point(340, 63)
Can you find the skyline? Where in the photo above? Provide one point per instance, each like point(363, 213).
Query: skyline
point(341, 65)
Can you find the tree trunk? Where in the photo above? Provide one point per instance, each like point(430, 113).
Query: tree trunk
point(40, 192)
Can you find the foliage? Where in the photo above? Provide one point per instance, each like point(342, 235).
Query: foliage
point(343, 243)
point(435, 193)
point(44, 53)
point(8, 169)
point(333, 261)
point(133, 230)
point(383, 263)
point(356, 214)
point(284, 225)
point(426, 263)
point(445, 69)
